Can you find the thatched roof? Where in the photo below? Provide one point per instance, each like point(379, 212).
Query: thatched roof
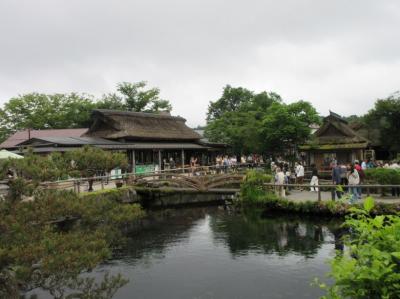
point(113, 124)
point(336, 133)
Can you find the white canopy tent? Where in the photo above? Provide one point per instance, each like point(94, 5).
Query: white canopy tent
point(5, 154)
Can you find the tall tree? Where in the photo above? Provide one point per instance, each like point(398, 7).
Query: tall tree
point(251, 122)
point(42, 111)
point(386, 116)
point(135, 97)
point(285, 126)
point(231, 100)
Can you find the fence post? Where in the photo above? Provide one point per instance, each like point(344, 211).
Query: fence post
point(319, 193)
point(102, 183)
point(78, 186)
point(368, 192)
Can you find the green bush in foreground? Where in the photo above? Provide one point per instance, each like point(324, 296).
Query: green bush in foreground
point(36, 252)
point(370, 265)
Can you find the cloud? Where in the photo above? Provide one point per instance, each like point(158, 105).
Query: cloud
point(340, 55)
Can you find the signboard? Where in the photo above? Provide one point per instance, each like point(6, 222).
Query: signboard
point(140, 169)
point(116, 173)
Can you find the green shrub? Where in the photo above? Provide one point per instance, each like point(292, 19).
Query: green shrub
point(383, 176)
point(369, 267)
point(252, 189)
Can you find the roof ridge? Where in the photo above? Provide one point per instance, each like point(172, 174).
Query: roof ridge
point(140, 114)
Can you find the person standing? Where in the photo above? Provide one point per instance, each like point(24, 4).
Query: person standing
point(314, 179)
point(336, 180)
point(354, 180)
point(361, 175)
point(300, 175)
point(280, 181)
point(364, 164)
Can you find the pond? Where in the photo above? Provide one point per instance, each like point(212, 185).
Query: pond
point(214, 253)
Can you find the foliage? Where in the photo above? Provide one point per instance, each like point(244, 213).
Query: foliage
point(254, 194)
point(385, 116)
point(73, 110)
point(135, 97)
point(383, 176)
point(43, 111)
point(35, 252)
point(284, 126)
point(370, 265)
point(88, 161)
point(252, 122)
point(252, 189)
point(35, 167)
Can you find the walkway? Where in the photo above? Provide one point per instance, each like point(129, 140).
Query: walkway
point(297, 195)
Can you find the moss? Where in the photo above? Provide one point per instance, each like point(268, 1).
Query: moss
point(112, 194)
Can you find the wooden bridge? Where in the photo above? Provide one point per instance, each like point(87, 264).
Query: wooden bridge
point(201, 183)
point(206, 178)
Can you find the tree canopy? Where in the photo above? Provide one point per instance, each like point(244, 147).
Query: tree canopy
point(73, 110)
point(386, 117)
point(258, 122)
point(135, 97)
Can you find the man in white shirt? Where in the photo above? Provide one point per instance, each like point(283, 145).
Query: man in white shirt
point(364, 165)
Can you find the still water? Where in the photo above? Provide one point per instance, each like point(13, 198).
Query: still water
point(213, 253)
point(210, 253)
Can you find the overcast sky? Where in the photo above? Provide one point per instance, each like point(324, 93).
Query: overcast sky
point(339, 55)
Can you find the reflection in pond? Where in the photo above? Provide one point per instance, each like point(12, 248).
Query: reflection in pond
point(211, 253)
point(250, 233)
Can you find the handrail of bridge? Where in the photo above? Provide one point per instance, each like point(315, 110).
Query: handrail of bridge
point(175, 171)
point(333, 187)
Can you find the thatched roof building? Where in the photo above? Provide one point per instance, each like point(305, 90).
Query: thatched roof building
point(147, 138)
point(335, 140)
point(126, 126)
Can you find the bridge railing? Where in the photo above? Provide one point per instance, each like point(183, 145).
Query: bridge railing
point(334, 188)
point(125, 178)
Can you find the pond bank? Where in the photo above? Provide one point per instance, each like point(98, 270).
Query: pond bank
point(156, 198)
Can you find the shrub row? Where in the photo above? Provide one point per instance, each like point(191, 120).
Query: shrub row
point(383, 176)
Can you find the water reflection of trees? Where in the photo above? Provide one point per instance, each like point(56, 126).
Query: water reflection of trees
point(158, 231)
point(281, 235)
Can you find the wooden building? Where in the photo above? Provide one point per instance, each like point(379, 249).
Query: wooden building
point(336, 141)
point(150, 140)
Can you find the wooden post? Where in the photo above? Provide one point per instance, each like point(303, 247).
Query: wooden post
point(183, 161)
point(368, 192)
point(133, 162)
point(79, 186)
point(102, 183)
point(319, 193)
point(159, 161)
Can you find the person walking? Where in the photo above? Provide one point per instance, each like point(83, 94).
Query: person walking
point(314, 178)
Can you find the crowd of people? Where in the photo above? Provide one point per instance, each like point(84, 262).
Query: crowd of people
point(349, 176)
